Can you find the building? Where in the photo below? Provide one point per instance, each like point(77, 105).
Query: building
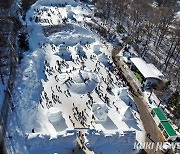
point(147, 73)
point(163, 124)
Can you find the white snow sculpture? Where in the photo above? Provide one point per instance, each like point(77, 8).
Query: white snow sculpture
point(123, 94)
point(96, 49)
point(70, 14)
point(100, 111)
point(54, 115)
point(128, 115)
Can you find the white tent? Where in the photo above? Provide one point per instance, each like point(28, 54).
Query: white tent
point(100, 111)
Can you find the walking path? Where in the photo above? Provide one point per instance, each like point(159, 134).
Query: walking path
point(148, 122)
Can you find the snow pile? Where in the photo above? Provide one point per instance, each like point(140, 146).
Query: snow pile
point(64, 53)
point(103, 58)
point(71, 38)
point(80, 51)
point(96, 49)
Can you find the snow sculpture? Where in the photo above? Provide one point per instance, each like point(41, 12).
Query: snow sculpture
point(103, 58)
point(54, 115)
point(123, 94)
point(128, 114)
point(96, 49)
point(64, 53)
point(70, 14)
point(100, 111)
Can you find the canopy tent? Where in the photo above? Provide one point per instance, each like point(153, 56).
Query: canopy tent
point(147, 70)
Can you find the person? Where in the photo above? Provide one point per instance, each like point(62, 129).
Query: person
point(148, 135)
point(33, 130)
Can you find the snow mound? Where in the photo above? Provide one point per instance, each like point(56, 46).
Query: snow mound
point(71, 35)
point(79, 51)
point(56, 119)
point(96, 49)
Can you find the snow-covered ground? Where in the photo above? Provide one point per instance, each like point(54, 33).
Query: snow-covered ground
point(68, 70)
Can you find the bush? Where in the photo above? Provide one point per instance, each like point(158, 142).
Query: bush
point(138, 76)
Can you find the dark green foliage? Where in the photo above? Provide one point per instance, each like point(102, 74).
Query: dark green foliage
point(138, 76)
